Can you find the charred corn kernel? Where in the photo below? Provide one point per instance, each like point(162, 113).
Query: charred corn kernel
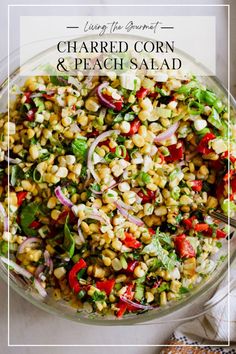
point(139, 272)
point(92, 104)
point(116, 244)
point(191, 167)
point(77, 169)
point(129, 197)
point(30, 133)
point(152, 186)
point(9, 128)
point(82, 120)
point(144, 115)
point(34, 152)
point(116, 264)
point(59, 272)
point(26, 185)
point(175, 286)
point(62, 172)
point(34, 255)
point(129, 144)
point(121, 278)
point(149, 296)
point(83, 196)
point(125, 127)
point(55, 214)
point(50, 249)
point(212, 202)
point(52, 202)
point(66, 121)
point(71, 100)
point(160, 211)
point(163, 299)
point(57, 294)
point(146, 104)
point(68, 134)
point(98, 272)
point(204, 170)
point(185, 200)
point(106, 261)
point(124, 187)
point(138, 140)
point(189, 267)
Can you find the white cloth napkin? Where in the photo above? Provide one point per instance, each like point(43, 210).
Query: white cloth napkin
point(212, 328)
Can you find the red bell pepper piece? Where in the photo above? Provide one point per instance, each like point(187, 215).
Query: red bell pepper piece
point(21, 197)
point(117, 103)
point(201, 227)
point(49, 97)
point(31, 114)
point(93, 134)
point(196, 185)
point(134, 127)
point(142, 92)
point(131, 267)
point(106, 285)
point(203, 144)
point(220, 234)
point(183, 247)
point(35, 225)
point(27, 96)
point(123, 306)
point(151, 231)
point(233, 185)
point(228, 175)
point(147, 197)
point(73, 281)
point(189, 222)
point(175, 153)
point(227, 155)
point(131, 241)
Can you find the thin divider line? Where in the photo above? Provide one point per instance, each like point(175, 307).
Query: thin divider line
point(117, 5)
point(8, 174)
point(8, 297)
point(229, 124)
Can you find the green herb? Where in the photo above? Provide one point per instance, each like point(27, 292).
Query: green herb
point(69, 242)
point(163, 287)
point(16, 174)
point(163, 237)
point(214, 119)
point(162, 92)
point(79, 148)
point(175, 193)
point(218, 244)
point(37, 177)
point(59, 80)
point(183, 290)
point(39, 104)
point(155, 249)
point(154, 264)
point(81, 294)
point(98, 296)
point(3, 248)
point(195, 108)
point(28, 215)
point(120, 139)
point(139, 292)
point(143, 179)
point(81, 273)
point(128, 117)
point(95, 187)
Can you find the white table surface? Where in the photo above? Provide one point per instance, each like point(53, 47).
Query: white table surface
point(31, 325)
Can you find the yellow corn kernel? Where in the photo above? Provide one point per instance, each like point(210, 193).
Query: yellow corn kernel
point(34, 152)
point(55, 214)
point(52, 202)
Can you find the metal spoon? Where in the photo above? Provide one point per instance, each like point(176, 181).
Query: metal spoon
point(218, 215)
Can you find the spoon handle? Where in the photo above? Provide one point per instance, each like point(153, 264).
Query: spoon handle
point(223, 218)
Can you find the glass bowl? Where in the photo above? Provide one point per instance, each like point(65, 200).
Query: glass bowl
point(180, 308)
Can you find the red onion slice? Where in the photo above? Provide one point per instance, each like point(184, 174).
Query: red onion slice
point(167, 134)
point(60, 196)
point(134, 304)
point(18, 269)
point(39, 270)
point(5, 223)
point(81, 236)
point(131, 218)
point(93, 146)
point(103, 101)
point(29, 242)
point(125, 206)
